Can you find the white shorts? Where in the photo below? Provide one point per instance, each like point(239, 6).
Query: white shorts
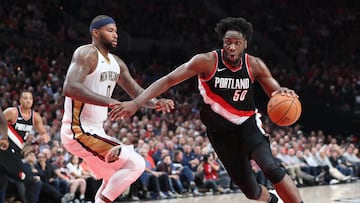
point(93, 145)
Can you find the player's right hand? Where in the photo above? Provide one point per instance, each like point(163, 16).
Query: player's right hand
point(4, 143)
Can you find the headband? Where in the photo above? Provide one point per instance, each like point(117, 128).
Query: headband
point(100, 23)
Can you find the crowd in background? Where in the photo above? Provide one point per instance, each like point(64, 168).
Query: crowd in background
point(313, 51)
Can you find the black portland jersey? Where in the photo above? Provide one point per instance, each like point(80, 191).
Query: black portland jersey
point(229, 91)
point(17, 131)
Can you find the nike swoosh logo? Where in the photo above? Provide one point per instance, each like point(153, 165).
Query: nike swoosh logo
point(221, 69)
point(20, 119)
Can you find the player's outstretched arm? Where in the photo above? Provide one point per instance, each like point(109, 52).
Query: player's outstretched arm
point(199, 64)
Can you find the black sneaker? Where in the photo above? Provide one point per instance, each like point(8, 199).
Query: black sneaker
point(273, 198)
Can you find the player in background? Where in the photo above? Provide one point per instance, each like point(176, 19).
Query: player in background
point(22, 121)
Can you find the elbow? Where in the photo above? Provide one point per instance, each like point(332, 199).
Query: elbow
point(69, 90)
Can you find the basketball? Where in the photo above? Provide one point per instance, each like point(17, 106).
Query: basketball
point(283, 110)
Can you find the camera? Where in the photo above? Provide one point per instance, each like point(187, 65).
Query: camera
point(205, 158)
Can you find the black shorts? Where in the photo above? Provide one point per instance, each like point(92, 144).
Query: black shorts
point(236, 145)
point(10, 166)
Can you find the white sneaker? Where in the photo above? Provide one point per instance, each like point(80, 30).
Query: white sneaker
point(333, 182)
point(275, 193)
point(67, 198)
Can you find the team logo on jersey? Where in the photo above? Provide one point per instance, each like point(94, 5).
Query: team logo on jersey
point(22, 175)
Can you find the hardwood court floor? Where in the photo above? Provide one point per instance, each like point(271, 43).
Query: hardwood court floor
point(340, 193)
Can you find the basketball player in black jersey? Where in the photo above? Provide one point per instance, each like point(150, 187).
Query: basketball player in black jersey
point(226, 82)
point(21, 121)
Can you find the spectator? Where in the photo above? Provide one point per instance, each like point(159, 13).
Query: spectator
point(325, 162)
point(210, 170)
point(72, 184)
point(353, 159)
point(155, 181)
point(186, 175)
point(76, 172)
point(166, 166)
point(48, 191)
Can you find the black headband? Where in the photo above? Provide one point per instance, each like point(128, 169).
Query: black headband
point(100, 23)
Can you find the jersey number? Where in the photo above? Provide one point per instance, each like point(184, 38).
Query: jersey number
point(239, 95)
point(108, 91)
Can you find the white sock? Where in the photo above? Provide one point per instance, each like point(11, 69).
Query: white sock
point(131, 171)
point(82, 196)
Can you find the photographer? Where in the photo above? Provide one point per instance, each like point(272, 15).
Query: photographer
point(211, 167)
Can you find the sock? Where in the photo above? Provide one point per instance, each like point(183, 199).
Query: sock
point(124, 177)
point(82, 197)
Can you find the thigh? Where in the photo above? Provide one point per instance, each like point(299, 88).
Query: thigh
point(12, 165)
point(228, 147)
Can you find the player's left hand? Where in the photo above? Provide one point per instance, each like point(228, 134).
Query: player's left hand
point(126, 109)
point(285, 91)
point(164, 105)
point(122, 110)
point(4, 143)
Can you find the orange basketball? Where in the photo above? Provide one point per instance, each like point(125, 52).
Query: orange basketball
point(283, 110)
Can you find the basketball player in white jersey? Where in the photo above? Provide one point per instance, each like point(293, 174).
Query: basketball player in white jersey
point(89, 83)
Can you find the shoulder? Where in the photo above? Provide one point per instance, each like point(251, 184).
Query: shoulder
point(85, 58)
point(253, 60)
point(10, 113)
point(118, 59)
point(207, 59)
point(257, 66)
point(85, 51)
point(11, 109)
point(36, 115)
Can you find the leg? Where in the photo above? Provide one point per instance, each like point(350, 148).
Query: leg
point(238, 167)
point(99, 191)
point(283, 184)
point(287, 190)
point(130, 171)
point(3, 185)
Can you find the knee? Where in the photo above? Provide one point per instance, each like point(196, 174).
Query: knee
point(82, 181)
point(139, 164)
point(274, 173)
point(251, 192)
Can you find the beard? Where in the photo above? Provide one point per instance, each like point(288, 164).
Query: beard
point(107, 44)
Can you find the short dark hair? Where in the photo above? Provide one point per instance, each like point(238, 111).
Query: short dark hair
point(236, 24)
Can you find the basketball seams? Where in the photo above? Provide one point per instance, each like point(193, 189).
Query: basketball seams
point(285, 110)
